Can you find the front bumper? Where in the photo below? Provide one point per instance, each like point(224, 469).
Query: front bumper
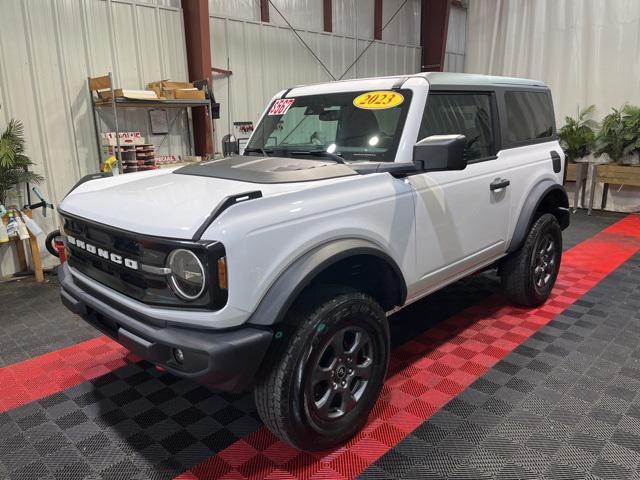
point(226, 361)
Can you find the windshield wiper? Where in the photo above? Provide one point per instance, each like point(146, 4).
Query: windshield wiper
point(267, 152)
point(319, 153)
point(264, 151)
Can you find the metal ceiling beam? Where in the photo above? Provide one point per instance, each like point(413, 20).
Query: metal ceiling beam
point(196, 34)
point(434, 25)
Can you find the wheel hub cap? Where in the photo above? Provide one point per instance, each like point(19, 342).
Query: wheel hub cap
point(341, 373)
point(544, 263)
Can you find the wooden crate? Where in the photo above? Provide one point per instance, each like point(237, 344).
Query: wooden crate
point(572, 172)
point(35, 251)
point(619, 174)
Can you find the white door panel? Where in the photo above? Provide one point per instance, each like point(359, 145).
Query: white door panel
point(460, 221)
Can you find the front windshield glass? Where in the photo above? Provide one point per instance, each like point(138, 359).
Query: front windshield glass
point(353, 125)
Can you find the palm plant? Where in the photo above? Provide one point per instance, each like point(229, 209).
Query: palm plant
point(577, 136)
point(631, 135)
point(14, 164)
point(610, 139)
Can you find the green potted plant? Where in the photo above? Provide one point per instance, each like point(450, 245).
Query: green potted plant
point(14, 164)
point(611, 137)
point(577, 136)
point(631, 119)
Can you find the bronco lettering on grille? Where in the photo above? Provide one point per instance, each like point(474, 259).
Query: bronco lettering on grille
point(101, 252)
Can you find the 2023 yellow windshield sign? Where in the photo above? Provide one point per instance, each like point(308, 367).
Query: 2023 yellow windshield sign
point(378, 100)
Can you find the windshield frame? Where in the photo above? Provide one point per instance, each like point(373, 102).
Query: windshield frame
point(387, 156)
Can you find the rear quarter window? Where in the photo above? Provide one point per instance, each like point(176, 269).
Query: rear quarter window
point(530, 117)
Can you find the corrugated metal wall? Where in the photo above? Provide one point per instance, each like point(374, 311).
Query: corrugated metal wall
point(456, 48)
point(47, 51)
point(350, 17)
point(267, 57)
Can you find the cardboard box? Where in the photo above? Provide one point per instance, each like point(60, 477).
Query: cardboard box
point(156, 89)
point(191, 94)
point(128, 93)
point(169, 85)
point(165, 88)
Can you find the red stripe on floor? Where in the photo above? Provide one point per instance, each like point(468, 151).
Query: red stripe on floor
point(39, 377)
point(429, 371)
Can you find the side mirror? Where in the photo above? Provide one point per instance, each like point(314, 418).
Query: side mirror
point(440, 152)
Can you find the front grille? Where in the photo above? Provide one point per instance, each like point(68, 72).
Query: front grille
point(135, 249)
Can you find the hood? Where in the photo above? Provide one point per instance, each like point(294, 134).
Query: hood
point(164, 202)
point(268, 169)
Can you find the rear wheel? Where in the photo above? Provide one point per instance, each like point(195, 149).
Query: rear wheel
point(529, 274)
point(326, 372)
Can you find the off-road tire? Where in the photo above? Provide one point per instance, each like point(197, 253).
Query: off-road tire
point(517, 269)
point(281, 393)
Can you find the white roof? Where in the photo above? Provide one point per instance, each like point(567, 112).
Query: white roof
point(433, 78)
point(446, 78)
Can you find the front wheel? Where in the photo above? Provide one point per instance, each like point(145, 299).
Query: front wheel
point(529, 274)
point(325, 373)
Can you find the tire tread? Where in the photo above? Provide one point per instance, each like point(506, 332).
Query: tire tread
point(272, 393)
point(515, 274)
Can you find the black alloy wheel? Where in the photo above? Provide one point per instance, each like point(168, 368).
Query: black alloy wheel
point(339, 374)
point(543, 265)
point(529, 274)
point(324, 374)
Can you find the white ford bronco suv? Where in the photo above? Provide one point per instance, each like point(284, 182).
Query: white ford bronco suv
point(276, 269)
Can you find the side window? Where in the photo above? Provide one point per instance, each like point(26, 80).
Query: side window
point(529, 116)
point(468, 114)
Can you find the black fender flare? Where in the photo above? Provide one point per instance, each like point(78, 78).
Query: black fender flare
point(299, 274)
point(531, 205)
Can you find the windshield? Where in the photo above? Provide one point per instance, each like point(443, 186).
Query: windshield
point(352, 125)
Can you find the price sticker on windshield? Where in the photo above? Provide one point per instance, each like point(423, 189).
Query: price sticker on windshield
point(281, 106)
point(378, 100)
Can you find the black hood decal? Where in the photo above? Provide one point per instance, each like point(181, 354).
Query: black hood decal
point(268, 169)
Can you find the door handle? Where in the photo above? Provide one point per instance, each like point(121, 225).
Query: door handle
point(499, 183)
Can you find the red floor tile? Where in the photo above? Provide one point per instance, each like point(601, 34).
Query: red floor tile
point(432, 369)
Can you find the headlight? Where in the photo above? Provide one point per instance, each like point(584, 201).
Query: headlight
point(187, 278)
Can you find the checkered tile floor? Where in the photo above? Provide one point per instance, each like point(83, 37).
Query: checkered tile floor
point(33, 321)
point(134, 422)
point(562, 404)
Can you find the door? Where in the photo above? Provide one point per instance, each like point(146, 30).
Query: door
point(462, 216)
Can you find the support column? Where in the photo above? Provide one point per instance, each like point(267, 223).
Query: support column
point(328, 15)
point(264, 10)
point(434, 25)
point(377, 20)
point(196, 33)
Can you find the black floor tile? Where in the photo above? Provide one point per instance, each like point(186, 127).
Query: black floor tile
point(582, 420)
